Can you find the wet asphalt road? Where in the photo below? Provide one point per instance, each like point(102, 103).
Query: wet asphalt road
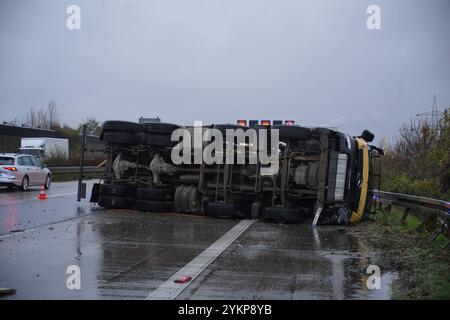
point(125, 254)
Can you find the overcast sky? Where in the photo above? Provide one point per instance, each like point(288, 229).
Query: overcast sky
point(222, 60)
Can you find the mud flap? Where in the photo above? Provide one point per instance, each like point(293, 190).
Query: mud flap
point(95, 192)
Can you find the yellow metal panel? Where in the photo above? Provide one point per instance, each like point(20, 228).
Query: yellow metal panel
point(356, 216)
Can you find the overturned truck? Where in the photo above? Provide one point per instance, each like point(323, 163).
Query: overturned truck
point(306, 173)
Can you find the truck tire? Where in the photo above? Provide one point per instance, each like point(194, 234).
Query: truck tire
point(223, 127)
point(121, 138)
point(121, 126)
point(286, 215)
point(293, 132)
point(152, 140)
point(187, 199)
point(224, 210)
point(318, 131)
point(154, 206)
point(113, 202)
point(118, 190)
point(159, 128)
point(151, 193)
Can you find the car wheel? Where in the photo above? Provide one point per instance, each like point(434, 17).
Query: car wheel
point(48, 182)
point(25, 183)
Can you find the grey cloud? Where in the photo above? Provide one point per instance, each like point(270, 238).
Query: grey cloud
point(220, 60)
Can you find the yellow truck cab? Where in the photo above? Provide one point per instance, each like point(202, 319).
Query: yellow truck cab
point(362, 192)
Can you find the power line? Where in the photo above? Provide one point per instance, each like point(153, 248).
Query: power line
point(432, 117)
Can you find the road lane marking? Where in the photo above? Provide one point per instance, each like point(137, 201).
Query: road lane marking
point(169, 290)
point(35, 199)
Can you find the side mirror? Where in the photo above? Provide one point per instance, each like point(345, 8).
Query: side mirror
point(367, 136)
point(44, 165)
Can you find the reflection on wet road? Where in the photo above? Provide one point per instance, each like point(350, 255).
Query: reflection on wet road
point(124, 254)
point(23, 210)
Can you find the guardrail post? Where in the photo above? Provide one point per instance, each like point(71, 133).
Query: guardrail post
point(405, 215)
point(435, 234)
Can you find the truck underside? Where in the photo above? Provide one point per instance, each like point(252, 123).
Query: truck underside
point(321, 175)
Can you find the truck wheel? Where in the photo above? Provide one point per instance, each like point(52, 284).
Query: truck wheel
point(187, 199)
point(121, 126)
point(118, 190)
point(223, 127)
point(121, 138)
point(112, 202)
point(224, 210)
point(154, 206)
point(48, 182)
point(293, 132)
point(152, 193)
point(159, 128)
point(157, 140)
point(278, 214)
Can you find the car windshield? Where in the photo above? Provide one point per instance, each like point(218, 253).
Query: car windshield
point(6, 161)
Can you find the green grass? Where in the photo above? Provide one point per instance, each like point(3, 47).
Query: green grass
point(424, 271)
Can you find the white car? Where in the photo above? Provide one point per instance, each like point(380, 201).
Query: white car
point(23, 171)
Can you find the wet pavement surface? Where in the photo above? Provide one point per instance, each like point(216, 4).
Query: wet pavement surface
point(125, 254)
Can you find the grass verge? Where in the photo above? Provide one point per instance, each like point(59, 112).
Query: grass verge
point(424, 268)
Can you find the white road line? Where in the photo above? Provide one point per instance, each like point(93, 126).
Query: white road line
point(169, 290)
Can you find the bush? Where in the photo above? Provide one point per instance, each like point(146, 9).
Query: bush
point(419, 162)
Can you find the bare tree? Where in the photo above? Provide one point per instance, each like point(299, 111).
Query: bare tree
point(43, 118)
point(30, 118)
point(53, 115)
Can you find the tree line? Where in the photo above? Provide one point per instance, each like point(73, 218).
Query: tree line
point(418, 162)
point(48, 118)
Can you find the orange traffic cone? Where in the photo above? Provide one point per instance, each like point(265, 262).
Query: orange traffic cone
point(42, 195)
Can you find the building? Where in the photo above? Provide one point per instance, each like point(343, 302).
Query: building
point(11, 135)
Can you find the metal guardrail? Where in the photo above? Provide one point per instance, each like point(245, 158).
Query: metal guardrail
point(76, 169)
point(438, 208)
point(414, 202)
